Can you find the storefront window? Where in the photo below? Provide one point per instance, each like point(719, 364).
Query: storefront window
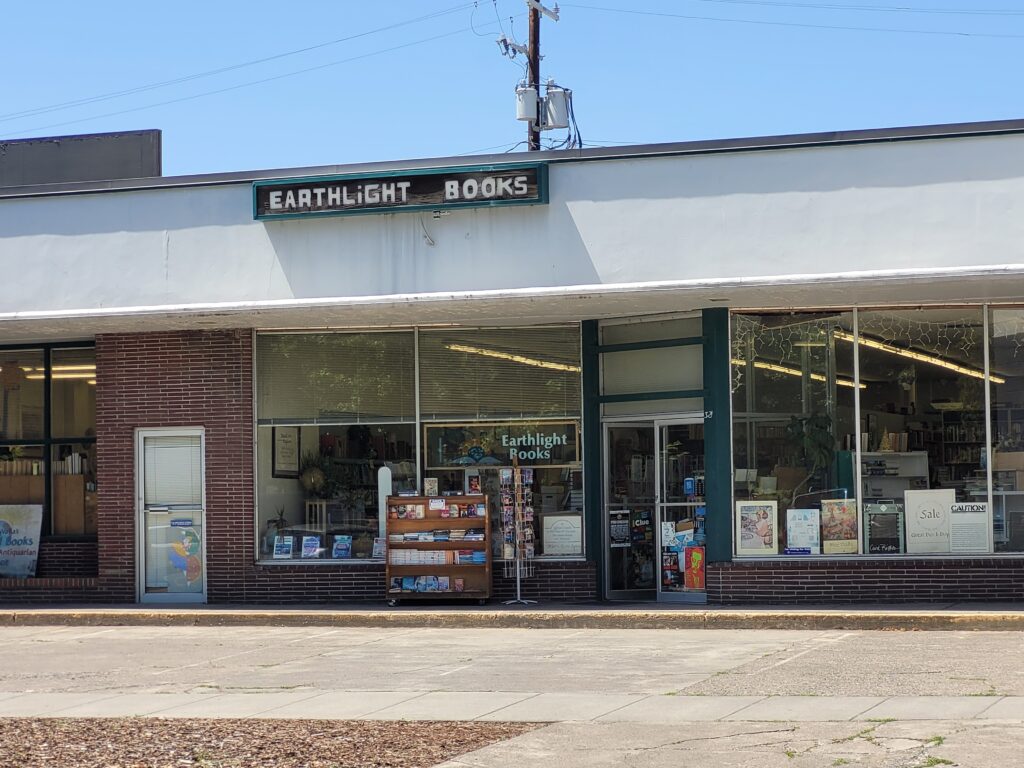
point(793, 411)
point(469, 458)
point(1006, 354)
point(65, 457)
point(333, 411)
point(505, 373)
point(21, 394)
point(920, 482)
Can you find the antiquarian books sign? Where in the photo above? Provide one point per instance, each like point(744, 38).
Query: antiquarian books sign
point(20, 526)
point(432, 189)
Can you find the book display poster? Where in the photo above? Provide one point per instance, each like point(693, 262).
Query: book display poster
point(20, 528)
point(342, 547)
point(883, 524)
point(310, 546)
point(379, 548)
point(839, 527)
point(803, 532)
point(968, 527)
point(757, 528)
point(693, 568)
point(283, 547)
point(927, 518)
point(619, 529)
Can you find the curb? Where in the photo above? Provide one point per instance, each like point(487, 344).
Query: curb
point(520, 619)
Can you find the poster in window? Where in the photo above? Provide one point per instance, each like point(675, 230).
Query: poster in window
point(20, 527)
point(968, 527)
point(757, 528)
point(927, 517)
point(839, 526)
point(803, 532)
point(619, 529)
point(883, 526)
point(286, 452)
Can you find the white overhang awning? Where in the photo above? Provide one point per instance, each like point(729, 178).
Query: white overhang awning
point(534, 306)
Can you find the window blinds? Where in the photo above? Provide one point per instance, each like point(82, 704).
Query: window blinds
point(173, 469)
point(335, 378)
point(470, 374)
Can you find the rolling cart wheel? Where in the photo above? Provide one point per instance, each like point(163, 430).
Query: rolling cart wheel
point(392, 602)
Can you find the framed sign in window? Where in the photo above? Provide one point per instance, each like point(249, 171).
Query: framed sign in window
point(285, 457)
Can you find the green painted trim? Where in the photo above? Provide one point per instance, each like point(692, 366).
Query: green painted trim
point(717, 435)
point(541, 199)
point(632, 346)
point(637, 397)
point(593, 468)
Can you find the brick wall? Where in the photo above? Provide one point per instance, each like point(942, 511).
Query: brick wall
point(67, 559)
point(866, 581)
point(180, 379)
point(564, 582)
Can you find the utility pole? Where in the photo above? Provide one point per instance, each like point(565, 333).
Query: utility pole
point(533, 129)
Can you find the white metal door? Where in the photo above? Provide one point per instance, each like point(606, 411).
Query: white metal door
point(171, 504)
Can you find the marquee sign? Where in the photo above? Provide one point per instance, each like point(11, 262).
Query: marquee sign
point(427, 189)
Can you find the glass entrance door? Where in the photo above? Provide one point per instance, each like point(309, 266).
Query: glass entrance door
point(171, 551)
point(679, 504)
point(629, 511)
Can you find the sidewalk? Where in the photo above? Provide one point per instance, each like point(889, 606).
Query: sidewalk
point(512, 706)
point(941, 616)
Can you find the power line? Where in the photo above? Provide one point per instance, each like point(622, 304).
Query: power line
point(256, 82)
point(874, 8)
point(661, 14)
point(221, 70)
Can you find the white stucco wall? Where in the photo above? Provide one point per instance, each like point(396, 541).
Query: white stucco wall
point(911, 204)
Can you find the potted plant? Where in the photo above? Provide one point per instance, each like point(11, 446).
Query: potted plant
point(812, 449)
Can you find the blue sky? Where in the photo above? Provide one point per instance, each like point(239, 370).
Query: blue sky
point(702, 69)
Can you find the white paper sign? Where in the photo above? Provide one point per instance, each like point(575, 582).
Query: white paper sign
point(968, 527)
point(927, 520)
point(803, 532)
point(563, 535)
point(20, 526)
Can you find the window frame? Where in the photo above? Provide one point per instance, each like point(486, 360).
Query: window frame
point(47, 441)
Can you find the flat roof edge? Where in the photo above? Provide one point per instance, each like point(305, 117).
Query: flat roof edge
point(708, 146)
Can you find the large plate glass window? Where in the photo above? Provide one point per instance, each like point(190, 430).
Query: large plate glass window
point(486, 394)
point(57, 468)
point(332, 410)
point(793, 430)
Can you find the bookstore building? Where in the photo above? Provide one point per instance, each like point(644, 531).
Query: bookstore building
point(773, 370)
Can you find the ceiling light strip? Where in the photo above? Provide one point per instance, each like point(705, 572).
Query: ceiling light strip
point(795, 372)
point(918, 356)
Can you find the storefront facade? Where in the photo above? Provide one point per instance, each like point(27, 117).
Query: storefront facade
point(795, 359)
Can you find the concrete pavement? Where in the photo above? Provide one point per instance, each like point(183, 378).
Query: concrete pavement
point(508, 706)
point(929, 616)
point(694, 697)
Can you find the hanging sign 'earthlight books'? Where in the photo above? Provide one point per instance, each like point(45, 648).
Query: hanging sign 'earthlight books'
point(384, 192)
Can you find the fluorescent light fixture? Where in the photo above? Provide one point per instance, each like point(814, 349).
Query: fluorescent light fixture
point(514, 358)
point(795, 372)
point(69, 375)
point(919, 356)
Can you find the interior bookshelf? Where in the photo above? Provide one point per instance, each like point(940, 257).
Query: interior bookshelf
point(438, 547)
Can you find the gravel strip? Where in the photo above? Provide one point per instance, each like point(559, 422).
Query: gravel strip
point(165, 743)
